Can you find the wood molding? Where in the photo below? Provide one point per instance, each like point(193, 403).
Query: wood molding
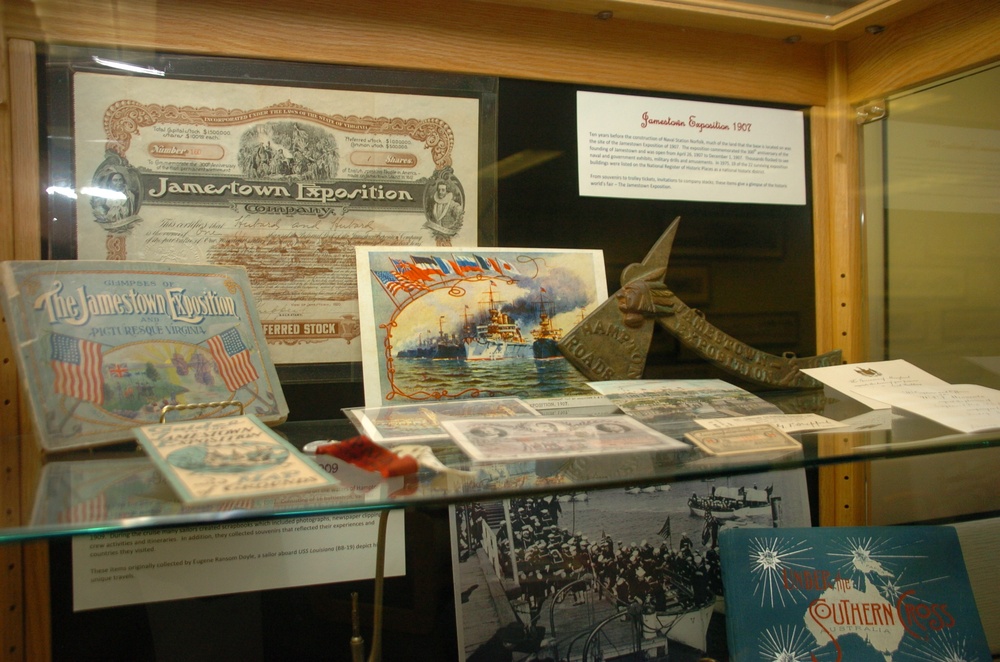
point(845, 278)
point(444, 35)
point(746, 18)
point(947, 38)
point(25, 151)
point(843, 488)
point(38, 602)
point(840, 303)
point(26, 226)
point(12, 578)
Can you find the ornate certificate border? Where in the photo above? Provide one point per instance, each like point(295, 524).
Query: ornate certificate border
point(280, 167)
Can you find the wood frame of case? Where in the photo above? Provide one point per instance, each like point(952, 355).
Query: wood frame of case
point(688, 48)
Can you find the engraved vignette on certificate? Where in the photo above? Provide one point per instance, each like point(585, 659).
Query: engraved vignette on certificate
point(284, 181)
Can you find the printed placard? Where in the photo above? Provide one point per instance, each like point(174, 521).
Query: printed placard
point(669, 149)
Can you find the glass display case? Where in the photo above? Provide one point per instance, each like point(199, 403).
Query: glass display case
point(799, 278)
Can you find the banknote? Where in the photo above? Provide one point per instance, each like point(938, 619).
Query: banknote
point(745, 439)
point(422, 421)
point(284, 181)
point(520, 439)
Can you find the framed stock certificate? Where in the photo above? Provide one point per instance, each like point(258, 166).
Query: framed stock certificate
point(280, 167)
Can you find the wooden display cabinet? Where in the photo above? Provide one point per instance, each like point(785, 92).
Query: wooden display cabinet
point(827, 65)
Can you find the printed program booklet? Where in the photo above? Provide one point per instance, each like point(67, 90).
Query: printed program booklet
point(226, 458)
point(849, 593)
point(103, 347)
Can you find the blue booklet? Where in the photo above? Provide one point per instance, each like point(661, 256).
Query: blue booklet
point(849, 594)
point(103, 347)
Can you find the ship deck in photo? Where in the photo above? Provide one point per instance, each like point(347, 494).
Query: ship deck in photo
point(547, 336)
point(498, 338)
point(733, 502)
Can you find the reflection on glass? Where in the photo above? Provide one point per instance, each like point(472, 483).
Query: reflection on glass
point(941, 282)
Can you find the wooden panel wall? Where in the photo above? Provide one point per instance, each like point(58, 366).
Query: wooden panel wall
point(26, 634)
point(11, 567)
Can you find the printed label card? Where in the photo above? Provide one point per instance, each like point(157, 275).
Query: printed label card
point(226, 458)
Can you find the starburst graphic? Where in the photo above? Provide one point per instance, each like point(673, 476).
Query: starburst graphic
point(945, 646)
point(867, 558)
point(785, 644)
point(892, 588)
point(770, 561)
point(898, 594)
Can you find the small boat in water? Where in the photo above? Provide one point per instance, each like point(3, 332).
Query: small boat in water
point(732, 502)
point(574, 496)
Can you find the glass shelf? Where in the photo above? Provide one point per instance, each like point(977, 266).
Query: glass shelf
point(118, 488)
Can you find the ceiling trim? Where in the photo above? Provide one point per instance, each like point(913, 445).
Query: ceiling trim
point(741, 17)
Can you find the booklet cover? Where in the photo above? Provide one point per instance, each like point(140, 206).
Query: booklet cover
point(226, 458)
point(102, 347)
point(849, 593)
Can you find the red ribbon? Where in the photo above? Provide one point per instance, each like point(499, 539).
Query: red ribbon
point(363, 452)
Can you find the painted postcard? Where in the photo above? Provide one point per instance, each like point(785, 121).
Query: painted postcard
point(103, 347)
point(464, 323)
point(225, 458)
point(422, 421)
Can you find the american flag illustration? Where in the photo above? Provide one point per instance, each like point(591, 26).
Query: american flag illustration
point(389, 281)
point(92, 510)
point(233, 359)
point(409, 282)
point(396, 282)
point(77, 365)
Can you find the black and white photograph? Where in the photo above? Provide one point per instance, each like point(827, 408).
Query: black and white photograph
point(620, 574)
